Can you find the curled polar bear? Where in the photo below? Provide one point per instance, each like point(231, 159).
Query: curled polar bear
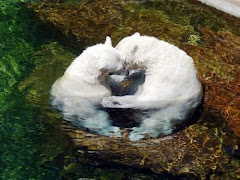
point(79, 92)
point(171, 90)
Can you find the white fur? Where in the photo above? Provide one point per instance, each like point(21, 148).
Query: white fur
point(171, 85)
point(79, 92)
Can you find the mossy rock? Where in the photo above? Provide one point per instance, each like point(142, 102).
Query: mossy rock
point(217, 63)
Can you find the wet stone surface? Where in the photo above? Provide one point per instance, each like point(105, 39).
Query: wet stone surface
point(209, 148)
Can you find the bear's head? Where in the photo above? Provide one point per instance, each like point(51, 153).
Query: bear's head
point(127, 48)
point(109, 60)
point(96, 62)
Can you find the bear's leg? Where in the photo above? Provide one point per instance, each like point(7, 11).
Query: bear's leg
point(100, 123)
point(150, 127)
point(111, 131)
point(136, 134)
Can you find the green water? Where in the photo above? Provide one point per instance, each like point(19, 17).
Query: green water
point(32, 143)
point(23, 135)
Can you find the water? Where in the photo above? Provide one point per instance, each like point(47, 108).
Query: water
point(28, 150)
point(32, 143)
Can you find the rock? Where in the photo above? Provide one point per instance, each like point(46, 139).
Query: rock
point(209, 148)
point(52, 57)
point(92, 21)
point(218, 66)
point(195, 151)
point(89, 23)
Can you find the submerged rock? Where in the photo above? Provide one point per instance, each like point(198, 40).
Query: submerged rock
point(194, 152)
point(207, 149)
point(89, 23)
point(218, 66)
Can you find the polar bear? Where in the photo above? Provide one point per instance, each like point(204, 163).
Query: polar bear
point(79, 92)
point(171, 90)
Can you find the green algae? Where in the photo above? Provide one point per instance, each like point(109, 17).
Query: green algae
point(194, 39)
point(16, 52)
point(19, 134)
point(21, 129)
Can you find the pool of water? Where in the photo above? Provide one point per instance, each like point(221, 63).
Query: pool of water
point(33, 146)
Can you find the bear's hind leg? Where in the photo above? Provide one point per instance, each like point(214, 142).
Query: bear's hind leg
point(150, 127)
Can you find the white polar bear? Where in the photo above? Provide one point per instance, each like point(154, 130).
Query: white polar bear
point(79, 92)
point(171, 90)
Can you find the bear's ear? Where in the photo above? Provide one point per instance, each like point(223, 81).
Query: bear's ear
point(137, 34)
point(108, 41)
point(134, 49)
